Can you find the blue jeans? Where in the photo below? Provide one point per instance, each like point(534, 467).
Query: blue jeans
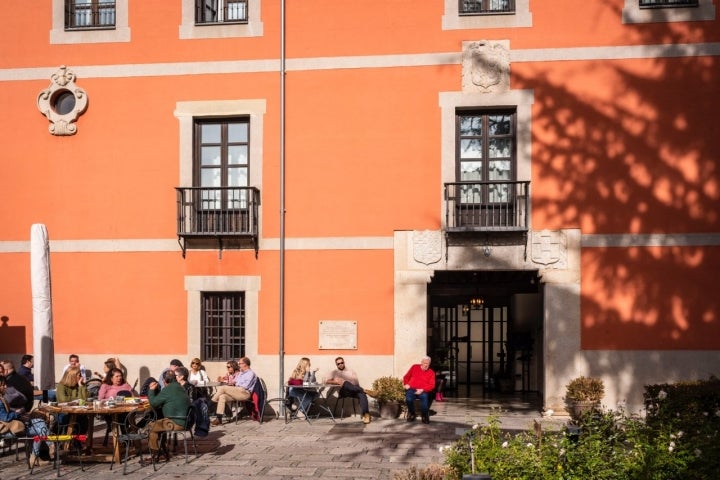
point(36, 426)
point(305, 397)
point(424, 397)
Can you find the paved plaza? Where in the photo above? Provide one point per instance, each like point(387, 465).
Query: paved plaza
point(342, 450)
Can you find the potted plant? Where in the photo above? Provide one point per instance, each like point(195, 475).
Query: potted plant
point(390, 393)
point(583, 395)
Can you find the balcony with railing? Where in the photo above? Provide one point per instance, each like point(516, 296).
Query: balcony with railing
point(668, 3)
point(494, 206)
point(486, 7)
point(226, 216)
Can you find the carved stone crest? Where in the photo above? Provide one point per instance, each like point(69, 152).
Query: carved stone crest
point(485, 67)
point(62, 102)
point(549, 248)
point(427, 246)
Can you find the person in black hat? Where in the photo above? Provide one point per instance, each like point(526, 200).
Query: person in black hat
point(174, 364)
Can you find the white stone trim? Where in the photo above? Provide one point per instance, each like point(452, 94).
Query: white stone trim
point(195, 285)
point(188, 29)
point(625, 240)
point(622, 52)
point(187, 111)
point(632, 13)
point(451, 101)
point(58, 35)
point(451, 20)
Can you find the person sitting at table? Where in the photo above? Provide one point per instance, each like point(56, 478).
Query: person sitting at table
point(303, 373)
point(174, 364)
point(197, 372)
point(10, 420)
point(74, 361)
point(349, 386)
point(181, 376)
point(240, 391)
point(233, 370)
point(173, 403)
point(419, 382)
point(70, 388)
point(117, 384)
point(24, 393)
point(108, 366)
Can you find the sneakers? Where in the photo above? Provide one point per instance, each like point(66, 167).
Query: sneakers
point(411, 417)
point(366, 418)
point(371, 393)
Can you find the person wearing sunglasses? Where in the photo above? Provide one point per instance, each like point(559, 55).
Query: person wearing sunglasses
point(198, 376)
point(233, 370)
point(350, 386)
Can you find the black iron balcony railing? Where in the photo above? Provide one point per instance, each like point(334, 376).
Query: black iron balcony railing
point(217, 213)
point(496, 206)
point(485, 7)
point(667, 3)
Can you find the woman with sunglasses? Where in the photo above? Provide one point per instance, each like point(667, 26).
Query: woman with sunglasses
point(233, 370)
point(197, 375)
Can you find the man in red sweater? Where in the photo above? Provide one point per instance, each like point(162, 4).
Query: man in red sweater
point(419, 382)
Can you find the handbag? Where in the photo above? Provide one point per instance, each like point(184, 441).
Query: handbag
point(13, 426)
point(295, 381)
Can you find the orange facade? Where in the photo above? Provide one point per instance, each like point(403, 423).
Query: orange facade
point(622, 150)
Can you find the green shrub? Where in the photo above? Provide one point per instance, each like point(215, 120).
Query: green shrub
point(610, 445)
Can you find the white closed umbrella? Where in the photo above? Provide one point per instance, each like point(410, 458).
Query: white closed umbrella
point(43, 343)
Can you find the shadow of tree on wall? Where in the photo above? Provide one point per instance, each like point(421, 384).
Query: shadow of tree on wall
point(631, 147)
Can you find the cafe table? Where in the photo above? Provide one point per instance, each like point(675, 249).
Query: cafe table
point(320, 401)
point(208, 387)
point(89, 410)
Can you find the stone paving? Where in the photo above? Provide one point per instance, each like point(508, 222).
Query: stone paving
point(341, 450)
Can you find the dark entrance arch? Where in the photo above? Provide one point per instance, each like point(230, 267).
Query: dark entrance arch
point(485, 331)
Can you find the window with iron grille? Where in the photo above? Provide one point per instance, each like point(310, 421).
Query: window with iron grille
point(223, 325)
point(667, 3)
point(89, 14)
point(221, 11)
point(475, 7)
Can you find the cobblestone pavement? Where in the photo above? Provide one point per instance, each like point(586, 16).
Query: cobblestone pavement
point(341, 450)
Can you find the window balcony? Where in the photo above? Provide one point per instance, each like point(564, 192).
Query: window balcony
point(222, 216)
point(668, 3)
point(494, 206)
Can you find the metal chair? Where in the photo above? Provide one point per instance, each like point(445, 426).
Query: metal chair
point(186, 432)
point(108, 419)
point(341, 399)
point(134, 429)
point(58, 439)
point(279, 400)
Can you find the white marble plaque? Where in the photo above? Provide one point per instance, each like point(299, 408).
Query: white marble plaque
point(337, 335)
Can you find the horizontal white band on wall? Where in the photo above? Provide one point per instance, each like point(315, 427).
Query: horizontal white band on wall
point(159, 245)
point(370, 61)
point(353, 243)
point(651, 240)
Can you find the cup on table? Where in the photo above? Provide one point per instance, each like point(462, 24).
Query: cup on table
point(97, 404)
